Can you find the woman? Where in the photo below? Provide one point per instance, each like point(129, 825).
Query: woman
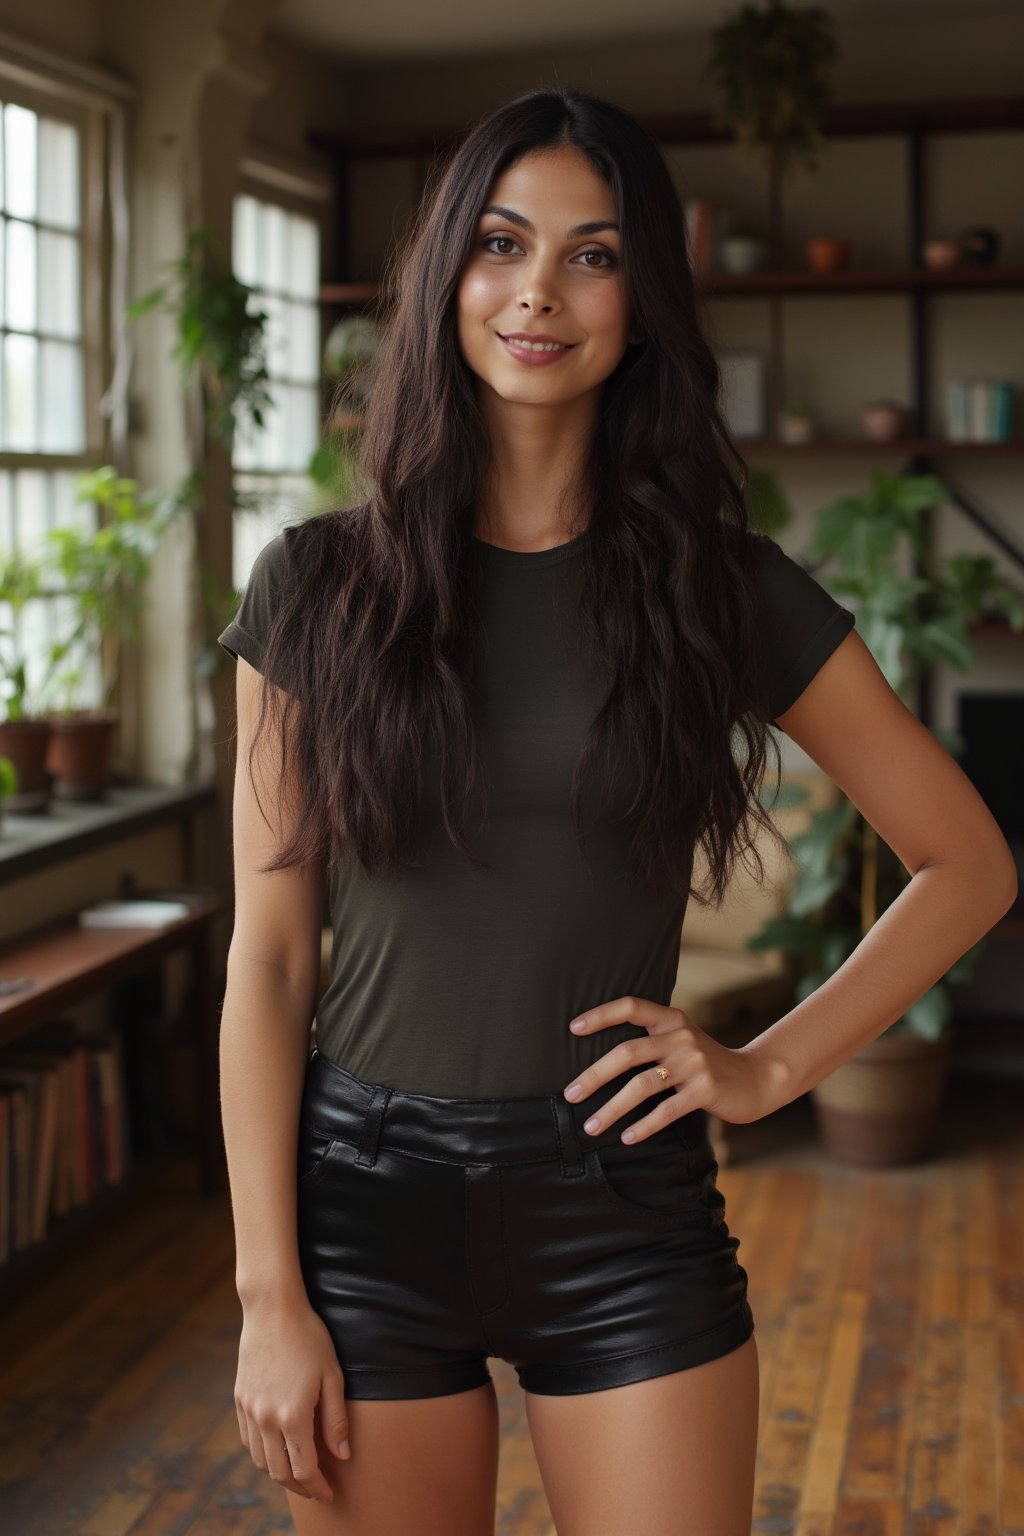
point(492, 712)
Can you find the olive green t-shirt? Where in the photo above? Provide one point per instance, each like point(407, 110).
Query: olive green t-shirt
point(450, 980)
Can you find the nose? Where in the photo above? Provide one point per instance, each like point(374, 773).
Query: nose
point(536, 292)
point(534, 305)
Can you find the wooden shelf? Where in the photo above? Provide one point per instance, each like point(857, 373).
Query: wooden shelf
point(853, 447)
point(349, 293)
point(867, 280)
point(861, 446)
point(67, 963)
point(976, 114)
point(798, 282)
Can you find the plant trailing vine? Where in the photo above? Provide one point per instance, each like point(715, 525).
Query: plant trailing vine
point(221, 335)
point(222, 349)
point(770, 66)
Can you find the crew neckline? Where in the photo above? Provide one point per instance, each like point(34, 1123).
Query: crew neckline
point(532, 558)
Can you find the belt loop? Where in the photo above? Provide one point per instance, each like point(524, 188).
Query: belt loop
point(369, 1137)
point(570, 1147)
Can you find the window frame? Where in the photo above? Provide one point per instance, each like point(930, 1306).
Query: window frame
point(97, 103)
point(94, 267)
point(297, 188)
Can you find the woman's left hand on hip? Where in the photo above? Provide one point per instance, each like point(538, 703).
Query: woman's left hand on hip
point(704, 1073)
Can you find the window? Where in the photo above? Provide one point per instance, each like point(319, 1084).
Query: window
point(51, 349)
point(276, 251)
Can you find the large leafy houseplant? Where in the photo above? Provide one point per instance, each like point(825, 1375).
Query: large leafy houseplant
point(845, 875)
point(882, 1105)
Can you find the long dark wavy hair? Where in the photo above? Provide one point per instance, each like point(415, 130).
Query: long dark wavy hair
point(375, 640)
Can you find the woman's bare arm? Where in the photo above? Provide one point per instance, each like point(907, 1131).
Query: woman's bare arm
point(273, 971)
point(920, 802)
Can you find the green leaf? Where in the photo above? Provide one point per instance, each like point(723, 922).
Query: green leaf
point(930, 1014)
point(143, 306)
point(963, 969)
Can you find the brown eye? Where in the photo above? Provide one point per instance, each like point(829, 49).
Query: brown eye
point(486, 243)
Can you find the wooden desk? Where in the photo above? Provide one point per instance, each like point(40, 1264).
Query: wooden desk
point(68, 963)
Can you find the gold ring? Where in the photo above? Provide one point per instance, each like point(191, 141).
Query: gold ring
point(662, 1073)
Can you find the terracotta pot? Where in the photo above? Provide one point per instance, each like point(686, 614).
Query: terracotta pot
point(941, 254)
point(882, 1106)
point(25, 743)
point(79, 753)
point(827, 255)
point(885, 420)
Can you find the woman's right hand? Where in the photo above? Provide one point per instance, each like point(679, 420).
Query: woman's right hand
point(288, 1371)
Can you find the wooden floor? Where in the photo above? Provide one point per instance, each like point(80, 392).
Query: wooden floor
point(889, 1308)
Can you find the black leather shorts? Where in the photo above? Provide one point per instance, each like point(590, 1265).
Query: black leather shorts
point(435, 1232)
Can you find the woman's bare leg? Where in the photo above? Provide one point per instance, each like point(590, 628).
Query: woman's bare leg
point(419, 1467)
point(672, 1456)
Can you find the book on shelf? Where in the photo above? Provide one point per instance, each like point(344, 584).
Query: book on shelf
point(63, 1126)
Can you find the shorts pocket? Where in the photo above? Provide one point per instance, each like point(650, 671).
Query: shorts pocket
point(661, 1179)
point(314, 1150)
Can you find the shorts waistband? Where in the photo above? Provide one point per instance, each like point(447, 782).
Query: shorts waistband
point(496, 1130)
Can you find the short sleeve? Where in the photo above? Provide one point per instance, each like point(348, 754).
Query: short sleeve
point(801, 623)
point(249, 630)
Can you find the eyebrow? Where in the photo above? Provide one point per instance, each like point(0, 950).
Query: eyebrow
point(591, 227)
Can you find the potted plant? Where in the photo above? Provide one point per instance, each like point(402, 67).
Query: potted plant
point(25, 732)
point(881, 1105)
point(770, 67)
point(103, 575)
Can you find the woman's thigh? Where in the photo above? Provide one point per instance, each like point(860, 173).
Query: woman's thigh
point(664, 1456)
point(425, 1465)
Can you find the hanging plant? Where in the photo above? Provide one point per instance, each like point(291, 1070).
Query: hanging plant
point(221, 335)
point(771, 67)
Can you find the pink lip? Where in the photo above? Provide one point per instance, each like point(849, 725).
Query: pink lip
point(534, 359)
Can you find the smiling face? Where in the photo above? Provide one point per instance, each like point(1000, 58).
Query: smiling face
point(535, 268)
